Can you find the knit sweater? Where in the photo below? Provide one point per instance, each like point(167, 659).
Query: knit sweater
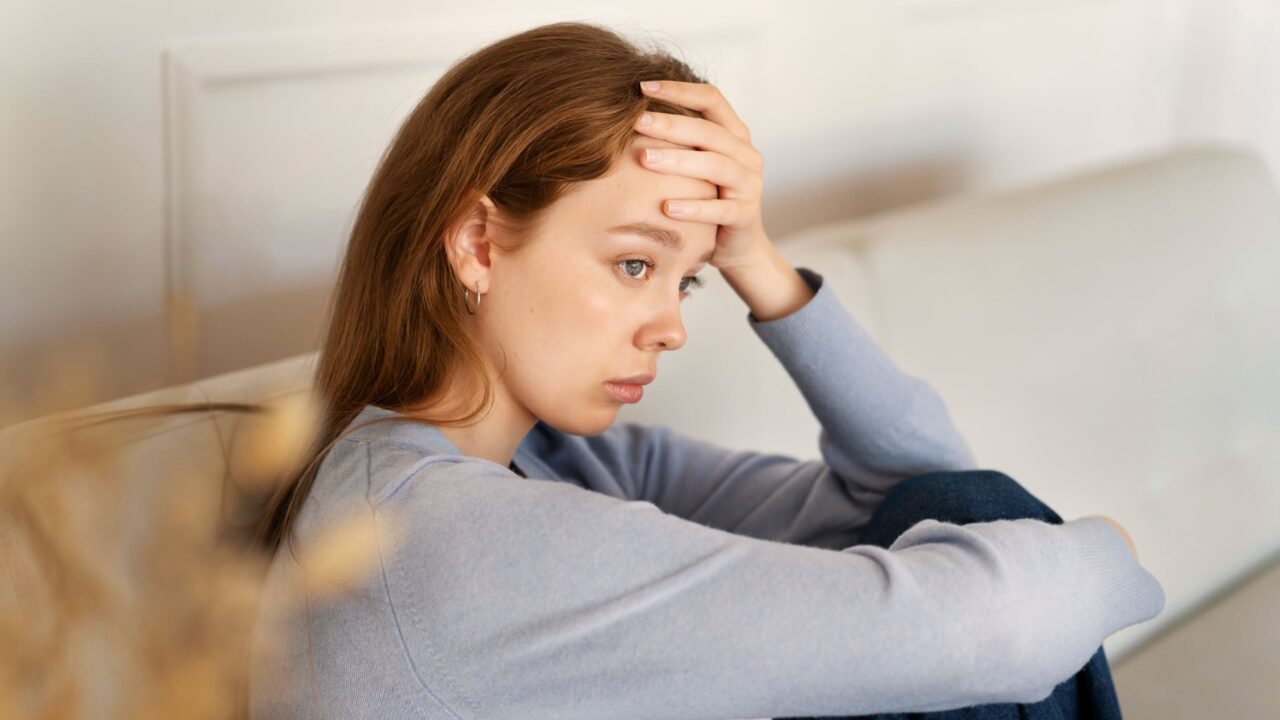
point(643, 573)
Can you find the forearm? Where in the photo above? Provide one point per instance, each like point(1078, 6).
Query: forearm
point(888, 424)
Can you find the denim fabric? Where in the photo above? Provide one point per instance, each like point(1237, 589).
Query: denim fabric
point(980, 496)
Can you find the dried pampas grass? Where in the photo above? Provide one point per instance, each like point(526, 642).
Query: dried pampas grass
point(122, 594)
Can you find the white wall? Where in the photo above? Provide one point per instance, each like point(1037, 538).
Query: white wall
point(177, 178)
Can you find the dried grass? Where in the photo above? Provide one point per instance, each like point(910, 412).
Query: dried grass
point(121, 594)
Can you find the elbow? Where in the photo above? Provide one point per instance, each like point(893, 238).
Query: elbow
point(933, 423)
point(962, 457)
point(956, 453)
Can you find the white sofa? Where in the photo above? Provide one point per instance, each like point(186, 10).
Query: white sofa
point(1109, 339)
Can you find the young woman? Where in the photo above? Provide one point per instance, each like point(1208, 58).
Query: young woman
point(516, 270)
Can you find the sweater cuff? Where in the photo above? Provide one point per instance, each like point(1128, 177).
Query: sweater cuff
point(1128, 593)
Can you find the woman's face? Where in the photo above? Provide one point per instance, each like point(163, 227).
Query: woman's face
point(578, 305)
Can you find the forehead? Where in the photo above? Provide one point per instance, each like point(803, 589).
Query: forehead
point(631, 172)
point(636, 187)
point(633, 193)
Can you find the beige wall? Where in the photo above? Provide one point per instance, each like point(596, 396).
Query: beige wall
point(213, 153)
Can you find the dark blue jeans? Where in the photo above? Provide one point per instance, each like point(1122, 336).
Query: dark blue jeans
point(981, 496)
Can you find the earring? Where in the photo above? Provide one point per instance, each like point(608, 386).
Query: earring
point(466, 299)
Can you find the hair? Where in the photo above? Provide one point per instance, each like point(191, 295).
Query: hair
point(519, 120)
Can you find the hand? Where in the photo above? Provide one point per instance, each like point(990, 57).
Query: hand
point(721, 153)
point(1128, 540)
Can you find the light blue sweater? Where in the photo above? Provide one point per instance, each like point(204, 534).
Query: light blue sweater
point(641, 573)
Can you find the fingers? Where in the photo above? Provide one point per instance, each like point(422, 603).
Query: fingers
point(703, 97)
point(699, 133)
point(710, 166)
point(721, 151)
point(732, 213)
point(715, 147)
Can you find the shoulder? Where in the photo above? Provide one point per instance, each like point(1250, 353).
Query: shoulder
point(398, 472)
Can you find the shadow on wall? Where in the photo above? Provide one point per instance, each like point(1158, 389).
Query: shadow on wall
point(890, 181)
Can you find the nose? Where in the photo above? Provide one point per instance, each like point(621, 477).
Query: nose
point(666, 332)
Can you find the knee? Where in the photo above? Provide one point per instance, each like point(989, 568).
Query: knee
point(970, 496)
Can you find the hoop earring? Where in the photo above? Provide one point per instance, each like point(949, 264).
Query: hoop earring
point(466, 300)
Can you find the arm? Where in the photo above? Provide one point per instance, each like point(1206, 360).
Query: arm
point(519, 599)
point(879, 427)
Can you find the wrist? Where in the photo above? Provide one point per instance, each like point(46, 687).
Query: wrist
point(769, 285)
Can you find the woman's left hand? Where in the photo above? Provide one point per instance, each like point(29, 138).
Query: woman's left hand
point(723, 155)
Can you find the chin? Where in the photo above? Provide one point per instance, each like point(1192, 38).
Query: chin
point(592, 423)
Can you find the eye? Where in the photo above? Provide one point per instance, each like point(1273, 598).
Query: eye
point(694, 281)
point(638, 264)
point(635, 264)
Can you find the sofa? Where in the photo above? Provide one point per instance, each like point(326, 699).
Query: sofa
point(1107, 338)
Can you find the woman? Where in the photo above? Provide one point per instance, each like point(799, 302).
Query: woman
point(516, 269)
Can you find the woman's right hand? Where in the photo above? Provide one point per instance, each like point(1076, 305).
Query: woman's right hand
point(1123, 533)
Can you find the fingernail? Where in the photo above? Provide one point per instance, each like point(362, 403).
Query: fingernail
point(646, 119)
point(651, 155)
point(675, 208)
point(650, 85)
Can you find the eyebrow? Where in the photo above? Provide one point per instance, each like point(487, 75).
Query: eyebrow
point(667, 238)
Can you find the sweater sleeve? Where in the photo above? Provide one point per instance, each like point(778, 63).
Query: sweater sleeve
point(878, 426)
point(525, 599)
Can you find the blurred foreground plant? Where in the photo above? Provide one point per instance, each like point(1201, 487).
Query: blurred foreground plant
point(122, 592)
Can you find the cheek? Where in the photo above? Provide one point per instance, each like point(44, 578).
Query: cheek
point(601, 309)
point(584, 326)
point(581, 331)
point(559, 328)
point(564, 326)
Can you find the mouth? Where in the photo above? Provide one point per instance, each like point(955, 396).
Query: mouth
point(625, 392)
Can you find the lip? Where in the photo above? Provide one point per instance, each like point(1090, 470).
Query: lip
point(624, 392)
point(644, 379)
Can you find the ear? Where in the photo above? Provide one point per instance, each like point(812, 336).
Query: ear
point(468, 242)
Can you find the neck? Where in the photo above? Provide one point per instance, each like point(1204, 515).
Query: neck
point(495, 437)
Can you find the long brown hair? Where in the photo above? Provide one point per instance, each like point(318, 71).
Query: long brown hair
point(518, 120)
